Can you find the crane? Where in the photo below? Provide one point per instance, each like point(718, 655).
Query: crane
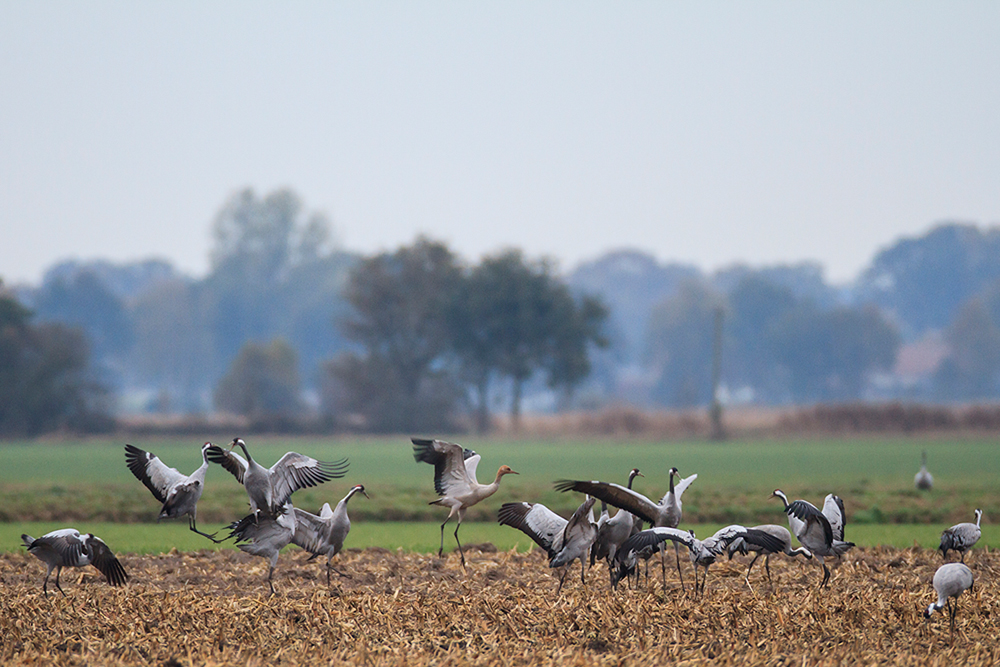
point(950, 581)
point(324, 534)
point(612, 531)
point(270, 488)
point(961, 537)
point(703, 553)
point(265, 535)
point(923, 480)
point(68, 548)
point(455, 480)
point(178, 492)
point(781, 533)
point(563, 540)
point(822, 533)
point(665, 514)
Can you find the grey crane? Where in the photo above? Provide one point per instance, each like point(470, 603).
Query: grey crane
point(455, 480)
point(270, 488)
point(563, 540)
point(961, 537)
point(779, 532)
point(703, 552)
point(613, 530)
point(822, 533)
point(324, 534)
point(923, 480)
point(178, 492)
point(950, 581)
point(665, 514)
point(68, 548)
point(265, 535)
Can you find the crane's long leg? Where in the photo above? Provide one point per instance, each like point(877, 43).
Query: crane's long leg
point(680, 572)
point(583, 570)
point(767, 566)
point(441, 548)
point(193, 525)
point(562, 579)
point(826, 572)
point(460, 552)
point(747, 576)
point(58, 572)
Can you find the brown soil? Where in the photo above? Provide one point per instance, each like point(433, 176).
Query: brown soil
point(397, 608)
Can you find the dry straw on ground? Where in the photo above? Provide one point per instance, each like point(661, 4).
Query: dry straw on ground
point(397, 608)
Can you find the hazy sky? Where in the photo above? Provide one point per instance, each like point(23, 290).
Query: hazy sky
point(702, 132)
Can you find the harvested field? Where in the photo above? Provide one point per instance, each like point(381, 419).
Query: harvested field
point(211, 607)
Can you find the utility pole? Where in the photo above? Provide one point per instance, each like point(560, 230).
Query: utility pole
point(715, 411)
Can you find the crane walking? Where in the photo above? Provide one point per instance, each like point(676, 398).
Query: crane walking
point(961, 537)
point(455, 480)
point(68, 548)
point(178, 492)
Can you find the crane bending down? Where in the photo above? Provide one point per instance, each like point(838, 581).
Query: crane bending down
point(781, 533)
point(270, 488)
point(822, 533)
point(455, 480)
point(324, 534)
point(961, 537)
point(68, 548)
point(265, 535)
point(950, 581)
point(703, 553)
point(178, 492)
point(563, 540)
point(665, 514)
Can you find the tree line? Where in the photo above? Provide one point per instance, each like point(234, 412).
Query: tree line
point(287, 326)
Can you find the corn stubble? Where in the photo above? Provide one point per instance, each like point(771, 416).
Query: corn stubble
point(213, 608)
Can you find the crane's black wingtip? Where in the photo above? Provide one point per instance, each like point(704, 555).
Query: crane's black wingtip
point(565, 484)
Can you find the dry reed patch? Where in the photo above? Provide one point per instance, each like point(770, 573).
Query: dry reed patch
point(212, 608)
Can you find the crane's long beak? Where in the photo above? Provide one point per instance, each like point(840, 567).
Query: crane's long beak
point(365, 494)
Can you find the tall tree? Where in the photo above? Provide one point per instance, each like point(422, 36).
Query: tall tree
point(401, 303)
point(44, 381)
point(512, 318)
point(262, 382)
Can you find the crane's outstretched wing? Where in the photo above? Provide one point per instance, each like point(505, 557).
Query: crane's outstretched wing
point(309, 530)
point(104, 560)
point(295, 471)
point(682, 485)
point(653, 537)
point(536, 521)
point(815, 521)
point(152, 472)
point(729, 535)
point(454, 466)
point(833, 510)
point(615, 494)
point(231, 461)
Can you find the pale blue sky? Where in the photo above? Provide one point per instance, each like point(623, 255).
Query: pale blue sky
point(704, 132)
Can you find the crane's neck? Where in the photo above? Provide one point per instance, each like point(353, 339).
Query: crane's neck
point(671, 481)
point(631, 478)
point(784, 498)
point(245, 452)
point(979, 517)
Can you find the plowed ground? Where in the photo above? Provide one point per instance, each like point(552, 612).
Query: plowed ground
point(398, 608)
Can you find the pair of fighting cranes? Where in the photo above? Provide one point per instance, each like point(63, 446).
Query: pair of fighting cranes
point(272, 524)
